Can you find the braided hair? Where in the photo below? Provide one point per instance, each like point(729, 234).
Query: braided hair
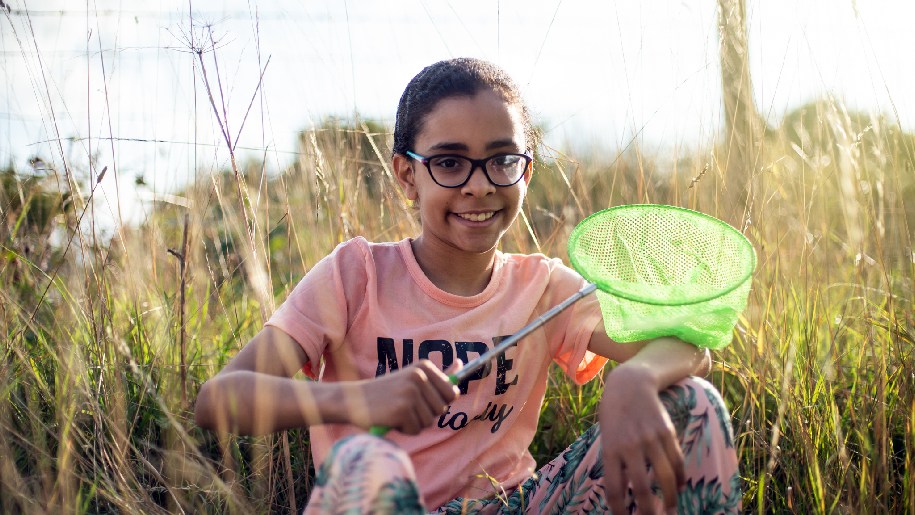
point(463, 76)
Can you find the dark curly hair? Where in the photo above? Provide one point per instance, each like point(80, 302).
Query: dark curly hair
point(463, 76)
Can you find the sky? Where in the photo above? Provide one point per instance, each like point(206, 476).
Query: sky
point(104, 85)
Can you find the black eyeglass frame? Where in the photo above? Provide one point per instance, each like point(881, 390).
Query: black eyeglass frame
point(474, 163)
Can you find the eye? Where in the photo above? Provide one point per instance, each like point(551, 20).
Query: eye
point(446, 163)
point(505, 160)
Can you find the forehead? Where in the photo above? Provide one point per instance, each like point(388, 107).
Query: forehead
point(475, 122)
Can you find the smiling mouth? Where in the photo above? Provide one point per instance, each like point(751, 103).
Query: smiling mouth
point(476, 217)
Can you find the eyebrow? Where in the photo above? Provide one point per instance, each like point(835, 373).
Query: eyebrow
point(492, 145)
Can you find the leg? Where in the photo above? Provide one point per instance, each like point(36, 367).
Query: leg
point(365, 474)
point(707, 440)
point(573, 482)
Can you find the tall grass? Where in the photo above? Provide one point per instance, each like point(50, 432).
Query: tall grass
point(107, 342)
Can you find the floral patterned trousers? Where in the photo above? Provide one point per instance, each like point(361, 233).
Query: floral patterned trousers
point(367, 474)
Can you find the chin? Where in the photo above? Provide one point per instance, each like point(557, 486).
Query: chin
point(481, 247)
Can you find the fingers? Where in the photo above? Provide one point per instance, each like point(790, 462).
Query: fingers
point(615, 485)
point(637, 467)
point(441, 383)
point(412, 398)
point(432, 403)
point(667, 461)
point(451, 391)
point(424, 402)
point(428, 392)
point(675, 454)
point(665, 477)
point(442, 392)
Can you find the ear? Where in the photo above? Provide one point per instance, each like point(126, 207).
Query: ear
point(403, 171)
point(529, 173)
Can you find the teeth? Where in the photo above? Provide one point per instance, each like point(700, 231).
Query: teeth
point(477, 217)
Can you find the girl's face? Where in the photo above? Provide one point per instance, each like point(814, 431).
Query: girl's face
point(473, 217)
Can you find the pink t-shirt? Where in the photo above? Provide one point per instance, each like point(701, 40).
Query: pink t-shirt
point(367, 309)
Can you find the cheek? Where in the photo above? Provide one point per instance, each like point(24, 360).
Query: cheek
point(521, 194)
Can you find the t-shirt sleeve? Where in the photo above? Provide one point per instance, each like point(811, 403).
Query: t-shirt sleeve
point(573, 328)
point(318, 311)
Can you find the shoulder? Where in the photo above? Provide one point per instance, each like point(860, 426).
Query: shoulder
point(556, 279)
point(537, 264)
point(358, 264)
point(348, 266)
point(351, 270)
point(358, 250)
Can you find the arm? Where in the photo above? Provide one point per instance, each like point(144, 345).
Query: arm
point(256, 394)
point(635, 427)
point(669, 359)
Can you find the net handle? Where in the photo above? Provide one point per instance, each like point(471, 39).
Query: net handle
point(503, 346)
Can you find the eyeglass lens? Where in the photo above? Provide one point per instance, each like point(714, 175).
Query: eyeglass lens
point(503, 170)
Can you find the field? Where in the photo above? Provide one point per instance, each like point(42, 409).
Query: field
point(107, 340)
point(108, 337)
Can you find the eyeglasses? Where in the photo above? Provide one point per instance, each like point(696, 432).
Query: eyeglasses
point(453, 171)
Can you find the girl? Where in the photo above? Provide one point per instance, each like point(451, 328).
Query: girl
point(381, 324)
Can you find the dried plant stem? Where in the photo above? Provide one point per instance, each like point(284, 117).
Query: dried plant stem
point(181, 313)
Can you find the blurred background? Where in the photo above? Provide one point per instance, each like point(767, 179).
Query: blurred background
point(111, 84)
point(170, 170)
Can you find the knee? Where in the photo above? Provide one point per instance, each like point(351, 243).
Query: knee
point(693, 393)
point(365, 453)
point(367, 474)
point(364, 446)
point(706, 393)
point(692, 398)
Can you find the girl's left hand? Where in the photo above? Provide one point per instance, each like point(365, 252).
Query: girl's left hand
point(636, 431)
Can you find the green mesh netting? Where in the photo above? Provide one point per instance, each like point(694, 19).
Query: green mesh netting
point(664, 271)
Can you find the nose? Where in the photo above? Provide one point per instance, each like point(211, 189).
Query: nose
point(478, 184)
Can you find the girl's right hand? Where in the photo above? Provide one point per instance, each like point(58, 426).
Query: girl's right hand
point(408, 400)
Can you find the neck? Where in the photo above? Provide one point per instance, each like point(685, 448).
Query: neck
point(453, 270)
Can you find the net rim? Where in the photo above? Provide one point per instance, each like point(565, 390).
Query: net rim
point(581, 228)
